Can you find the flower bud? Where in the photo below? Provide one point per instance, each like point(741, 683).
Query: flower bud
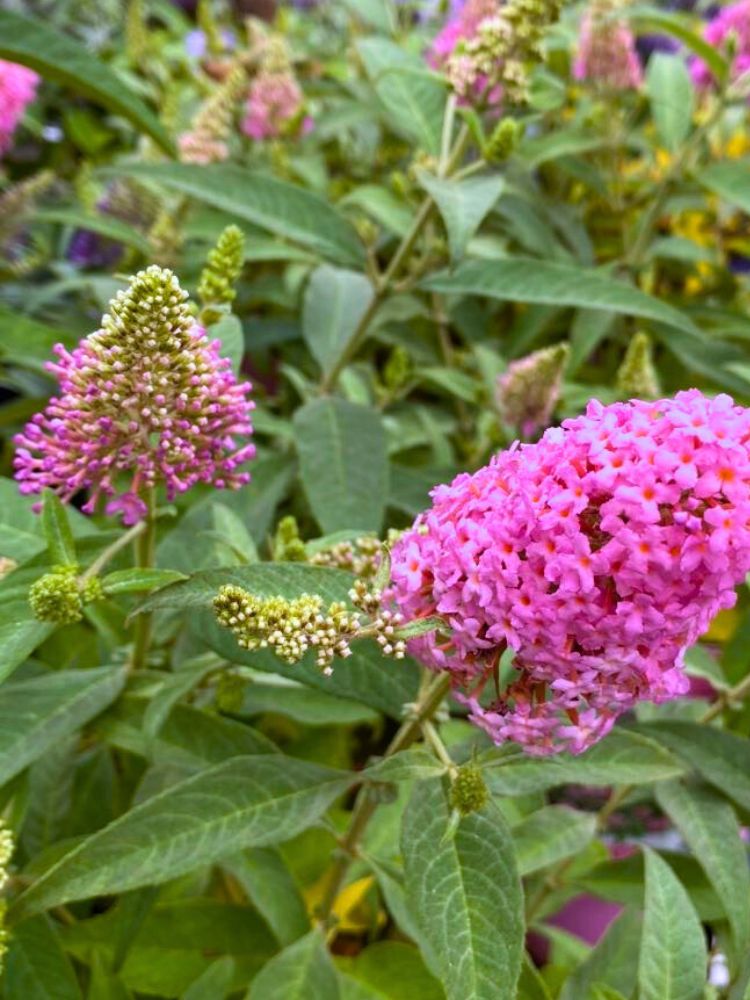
point(223, 267)
point(56, 596)
point(636, 377)
point(468, 790)
point(528, 391)
point(503, 141)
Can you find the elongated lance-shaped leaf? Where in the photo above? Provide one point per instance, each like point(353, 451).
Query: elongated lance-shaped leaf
point(302, 971)
point(36, 715)
point(673, 958)
point(59, 58)
point(244, 802)
point(462, 204)
point(465, 894)
point(36, 967)
point(335, 301)
point(709, 827)
point(57, 530)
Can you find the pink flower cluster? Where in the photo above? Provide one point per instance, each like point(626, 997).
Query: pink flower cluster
point(597, 555)
point(729, 24)
point(146, 400)
point(462, 26)
point(17, 90)
point(606, 53)
point(275, 106)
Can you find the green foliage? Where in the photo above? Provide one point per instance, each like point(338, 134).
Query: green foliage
point(201, 818)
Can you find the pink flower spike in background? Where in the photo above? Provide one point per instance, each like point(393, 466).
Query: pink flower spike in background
point(17, 90)
point(597, 555)
point(275, 102)
point(606, 51)
point(145, 401)
point(730, 26)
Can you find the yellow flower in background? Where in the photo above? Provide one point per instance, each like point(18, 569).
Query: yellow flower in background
point(354, 909)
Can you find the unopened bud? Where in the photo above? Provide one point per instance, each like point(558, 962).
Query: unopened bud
point(636, 377)
point(503, 141)
point(528, 391)
point(468, 791)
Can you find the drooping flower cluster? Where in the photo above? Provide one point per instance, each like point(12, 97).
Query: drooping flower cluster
point(597, 555)
point(727, 31)
point(606, 49)
point(145, 401)
point(288, 627)
point(207, 139)
point(17, 90)
point(528, 391)
point(487, 48)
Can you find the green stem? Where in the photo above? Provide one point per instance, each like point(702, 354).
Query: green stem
point(145, 557)
point(367, 803)
point(111, 551)
point(384, 285)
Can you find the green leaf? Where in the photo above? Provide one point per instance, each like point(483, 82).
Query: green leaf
point(26, 340)
point(335, 302)
point(729, 180)
point(59, 58)
point(133, 581)
point(36, 967)
point(413, 97)
point(276, 206)
point(463, 205)
point(303, 971)
point(545, 282)
point(623, 757)
point(415, 763)
point(549, 835)
point(393, 970)
point(103, 225)
point(465, 894)
point(710, 829)
point(232, 336)
point(721, 758)
point(343, 463)
point(311, 708)
point(673, 957)
point(36, 715)
point(62, 549)
point(659, 21)
point(613, 962)
point(672, 97)
point(244, 802)
point(271, 889)
point(215, 983)
point(378, 14)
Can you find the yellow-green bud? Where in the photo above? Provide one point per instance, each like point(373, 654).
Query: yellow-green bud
point(636, 377)
point(229, 692)
point(468, 791)
point(59, 597)
point(397, 368)
point(503, 141)
point(223, 267)
point(287, 544)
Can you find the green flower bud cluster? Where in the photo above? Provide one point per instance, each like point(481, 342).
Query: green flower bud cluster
point(503, 141)
point(60, 596)
point(397, 368)
point(528, 391)
point(636, 377)
point(223, 267)
point(468, 790)
point(361, 556)
point(16, 202)
point(287, 544)
point(288, 627)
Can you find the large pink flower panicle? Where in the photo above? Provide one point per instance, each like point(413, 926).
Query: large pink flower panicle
point(598, 555)
point(729, 28)
point(145, 401)
point(461, 26)
point(606, 50)
point(17, 90)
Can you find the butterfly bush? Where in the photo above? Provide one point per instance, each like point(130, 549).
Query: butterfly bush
point(730, 25)
point(17, 90)
point(147, 400)
point(607, 51)
point(275, 103)
point(597, 555)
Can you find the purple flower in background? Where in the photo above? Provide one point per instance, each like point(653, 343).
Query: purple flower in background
point(196, 43)
point(145, 401)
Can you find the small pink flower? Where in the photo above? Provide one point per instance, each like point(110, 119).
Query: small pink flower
point(730, 23)
point(275, 104)
point(17, 90)
point(606, 53)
